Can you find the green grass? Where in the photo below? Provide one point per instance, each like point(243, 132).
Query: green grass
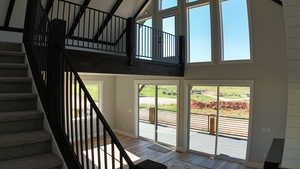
point(94, 91)
point(163, 91)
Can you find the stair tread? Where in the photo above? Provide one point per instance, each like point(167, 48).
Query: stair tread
point(19, 115)
point(12, 65)
point(12, 53)
point(15, 79)
point(8, 96)
point(42, 161)
point(17, 139)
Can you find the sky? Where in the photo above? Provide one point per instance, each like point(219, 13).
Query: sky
point(236, 42)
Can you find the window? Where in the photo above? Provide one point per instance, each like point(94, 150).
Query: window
point(235, 28)
point(199, 34)
point(168, 25)
point(166, 4)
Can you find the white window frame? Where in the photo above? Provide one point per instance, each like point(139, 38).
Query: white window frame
point(196, 4)
point(217, 36)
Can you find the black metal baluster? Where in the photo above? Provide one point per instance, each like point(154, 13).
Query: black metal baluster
point(68, 22)
point(89, 27)
point(74, 14)
point(94, 26)
point(98, 143)
point(113, 153)
point(92, 137)
point(80, 126)
point(83, 33)
point(85, 132)
point(105, 148)
point(71, 109)
point(121, 161)
point(75, 116)
point(98, 23)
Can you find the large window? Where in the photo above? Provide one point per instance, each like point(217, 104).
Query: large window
point(233, 32)
point(166, 4)
point(199, 34)
point(236, 42)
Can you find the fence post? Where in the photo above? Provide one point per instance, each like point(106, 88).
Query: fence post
point(55, 69)
point(131, 40)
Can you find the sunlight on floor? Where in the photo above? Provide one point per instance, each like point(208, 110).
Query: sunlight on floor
point(113, 159)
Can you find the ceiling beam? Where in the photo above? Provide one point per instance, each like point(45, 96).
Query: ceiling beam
point(279, 2)
point(78, 17)
point(107, 19)
point(9, 12)
point(140, 9)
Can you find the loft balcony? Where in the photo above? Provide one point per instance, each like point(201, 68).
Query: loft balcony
point(98, 42)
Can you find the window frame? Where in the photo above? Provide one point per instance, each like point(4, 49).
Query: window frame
point(189, 6)
point(167, 9)
point(217, 37)
point(249, 13)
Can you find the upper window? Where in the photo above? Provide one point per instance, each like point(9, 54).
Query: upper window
point(235, 28)
point(166, 4)
point(199, 34)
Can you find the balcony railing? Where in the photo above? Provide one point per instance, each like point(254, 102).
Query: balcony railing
point(89, 28)
point(156, 45)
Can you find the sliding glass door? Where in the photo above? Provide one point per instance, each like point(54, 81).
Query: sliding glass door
point(219, 120)
point(157, 112)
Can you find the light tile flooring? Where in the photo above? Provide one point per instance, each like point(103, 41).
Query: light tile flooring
point(140, 149)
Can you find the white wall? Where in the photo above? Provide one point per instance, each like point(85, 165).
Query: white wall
point(108, 94)
point(291, 157)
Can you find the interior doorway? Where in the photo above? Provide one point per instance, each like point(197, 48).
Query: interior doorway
point(157, 112)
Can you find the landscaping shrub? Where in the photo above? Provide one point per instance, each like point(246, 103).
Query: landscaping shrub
point(224, 105)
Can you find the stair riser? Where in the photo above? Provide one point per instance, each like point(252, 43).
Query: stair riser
point(10, 47)
point(25, 150)
point(21, 126)
point(13, 73)
point(17, 105)
point(15, 87)
point(11, 59)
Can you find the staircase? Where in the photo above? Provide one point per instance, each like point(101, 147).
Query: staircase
point(24, 144)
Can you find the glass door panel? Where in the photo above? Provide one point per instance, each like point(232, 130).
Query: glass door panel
point(147, 111)
point(166, 114)
point(203, 113)
point(233, 121)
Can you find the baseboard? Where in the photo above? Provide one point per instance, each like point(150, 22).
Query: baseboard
point(124, 133)
point(255, 165)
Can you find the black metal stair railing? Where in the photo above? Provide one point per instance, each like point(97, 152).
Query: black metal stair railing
point(93, 141)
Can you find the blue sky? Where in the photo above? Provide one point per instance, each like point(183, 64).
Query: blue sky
point(236, 43)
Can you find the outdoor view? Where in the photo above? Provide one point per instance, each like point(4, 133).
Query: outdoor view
point(223, 112)
point(158, 113)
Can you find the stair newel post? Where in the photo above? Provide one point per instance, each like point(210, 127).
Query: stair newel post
point(131, 40)
point(55, 71)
